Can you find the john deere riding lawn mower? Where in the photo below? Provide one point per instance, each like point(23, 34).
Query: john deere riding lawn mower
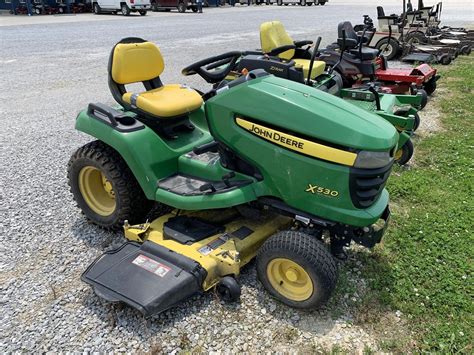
point(261, 167)
point(291, 60)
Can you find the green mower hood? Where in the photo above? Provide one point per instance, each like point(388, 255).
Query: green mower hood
point(309, 112)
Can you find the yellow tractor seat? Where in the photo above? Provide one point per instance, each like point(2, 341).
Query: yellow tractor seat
point(318, 67)
point(166, 101)
point(273, 35)
point(135, 60)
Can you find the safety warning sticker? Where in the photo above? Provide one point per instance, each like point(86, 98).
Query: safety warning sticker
point(214, 244)
point(151, 265)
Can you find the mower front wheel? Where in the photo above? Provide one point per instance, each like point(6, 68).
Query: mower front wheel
point(104, 188)
point(424, 98)
point(228, 289)
point(417, 122)
point(297, 269)
point(404, 154)
point(142, 12)
point(430, 86)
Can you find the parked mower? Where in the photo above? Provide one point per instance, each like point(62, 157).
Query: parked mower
point(423, 29)
point(288, 59)
point(361, 65)
point(261, 167)
point(275, 42)
point(391, 39)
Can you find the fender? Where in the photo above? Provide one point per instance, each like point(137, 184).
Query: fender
point(149, 157)
point(402, 139)
point(401, 123)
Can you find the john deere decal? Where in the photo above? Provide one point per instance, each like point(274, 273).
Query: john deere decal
point(301, 145)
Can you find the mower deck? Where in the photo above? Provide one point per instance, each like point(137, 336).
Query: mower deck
point(419, 75)
point(178, 256)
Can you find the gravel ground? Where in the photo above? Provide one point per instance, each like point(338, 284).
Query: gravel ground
point(49, 71)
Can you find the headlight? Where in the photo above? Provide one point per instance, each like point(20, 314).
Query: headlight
point(372, 160)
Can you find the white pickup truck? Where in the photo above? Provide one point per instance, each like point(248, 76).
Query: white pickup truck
point(125, 7)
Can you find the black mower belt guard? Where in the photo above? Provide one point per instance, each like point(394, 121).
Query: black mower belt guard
point(147, 277)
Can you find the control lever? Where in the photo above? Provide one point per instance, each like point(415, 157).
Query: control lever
point(227, 177)
point(206, 187)
point(313, 56)
point(342, 46)
point(207, 147)
point(376, 96)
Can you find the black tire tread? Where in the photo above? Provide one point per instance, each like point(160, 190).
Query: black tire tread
point(133, 205)
point(407, 153)
point(313, 252)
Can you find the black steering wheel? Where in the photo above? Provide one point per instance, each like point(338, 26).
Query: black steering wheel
point(203, 67)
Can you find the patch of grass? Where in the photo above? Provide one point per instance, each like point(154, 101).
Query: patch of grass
point(424, 269)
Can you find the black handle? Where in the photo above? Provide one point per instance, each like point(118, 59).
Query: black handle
point(279, 50)
point(207, 147)
point(300, 44)
point(113, 116)
point(376, 96)
point(313, 56)
point(207, 187)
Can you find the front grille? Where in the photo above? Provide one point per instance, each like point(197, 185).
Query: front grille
point(366, 185)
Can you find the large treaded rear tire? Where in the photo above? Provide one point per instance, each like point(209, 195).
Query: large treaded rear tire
point(131, 202)
point(310, 254)
point(392, 45)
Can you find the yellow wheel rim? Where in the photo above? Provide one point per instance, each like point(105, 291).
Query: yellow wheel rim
point(97, 191)
point(289, 279)
point(398, 154)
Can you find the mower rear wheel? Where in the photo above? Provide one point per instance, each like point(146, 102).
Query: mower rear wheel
point(388, 48)
point(96, 9)
point(466, 50)
point(416, 38)
point(104, 188)
point(297, 269)
point(404, 154)
point(445, 59)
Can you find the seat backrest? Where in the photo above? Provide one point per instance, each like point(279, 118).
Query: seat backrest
point(274, 35)
point(136, 62)
point(380, 11)
point(350, 32)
